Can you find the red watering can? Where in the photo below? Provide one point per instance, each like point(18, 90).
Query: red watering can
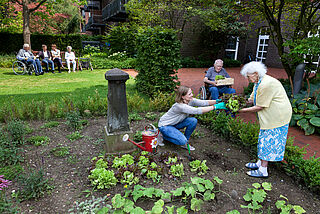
point(149, 139)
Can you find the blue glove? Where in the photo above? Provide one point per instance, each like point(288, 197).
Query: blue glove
point(220, 106)
point(218, 101)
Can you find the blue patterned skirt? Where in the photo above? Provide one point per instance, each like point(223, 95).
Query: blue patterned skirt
point(272, 143)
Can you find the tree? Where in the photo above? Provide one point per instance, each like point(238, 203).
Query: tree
point(31, 6)
point(287, 20)
point(218, 15)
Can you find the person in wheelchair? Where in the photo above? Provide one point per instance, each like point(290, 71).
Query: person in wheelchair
point(27, 57)
point(209, 80)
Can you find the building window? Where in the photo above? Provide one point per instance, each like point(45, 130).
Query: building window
point(262, 47)
point(231, 50)
point(314, 59)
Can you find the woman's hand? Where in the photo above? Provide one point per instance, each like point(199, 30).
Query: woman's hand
point(220, 106)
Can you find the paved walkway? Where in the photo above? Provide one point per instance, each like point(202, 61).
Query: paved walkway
point(193, 77)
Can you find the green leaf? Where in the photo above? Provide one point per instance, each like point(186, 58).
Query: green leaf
point(298, 209)
point(196, 180)
point(178, 191)
point(256, 185)
point(233, 212)
point(182, 210)
point(158, 207)
point(190, 191)
point(201, 188)
point(208, 184)
point(158, 192)
point(167, 196)
point(138, 210)
point(196, 204)
point(148, 192)
point(128, 206)
point(259, 196)
point(218, 180)
point(118, 201)
point(207, 196)
point(267, 186)
point(104, 210)
point(170, 209)
point(315, 121)
point(280, 204)
point(247, 196)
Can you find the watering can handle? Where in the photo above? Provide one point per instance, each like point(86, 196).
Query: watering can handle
point(152, 126)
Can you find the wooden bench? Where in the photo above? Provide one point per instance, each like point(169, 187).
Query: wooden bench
point(63, 60)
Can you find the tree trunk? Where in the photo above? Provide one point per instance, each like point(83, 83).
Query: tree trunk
point(26, 23)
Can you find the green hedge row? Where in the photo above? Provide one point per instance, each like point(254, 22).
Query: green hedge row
point(12, 42)
point(306, 171)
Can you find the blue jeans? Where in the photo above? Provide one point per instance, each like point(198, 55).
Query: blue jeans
point(216, 91)
point(36, 64)
point(47, 62)
point(172, 133)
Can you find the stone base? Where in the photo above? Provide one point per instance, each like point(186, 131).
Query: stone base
point(114, 143)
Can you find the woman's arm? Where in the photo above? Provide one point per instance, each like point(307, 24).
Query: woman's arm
point(207, 109)
point(251, 109)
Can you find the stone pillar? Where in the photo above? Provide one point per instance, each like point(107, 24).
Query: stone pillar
point(117, 118)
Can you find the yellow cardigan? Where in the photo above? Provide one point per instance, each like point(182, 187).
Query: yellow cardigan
point(277, 109)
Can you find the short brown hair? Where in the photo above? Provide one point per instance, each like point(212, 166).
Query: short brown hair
point(180, 92)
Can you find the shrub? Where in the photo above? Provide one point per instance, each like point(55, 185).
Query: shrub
point(228, 63)
point(7, 60)
point(17, 130)
point(11, 171)
point(33, 185)
point(73, 120)
point(158, 58)
point(162, 101)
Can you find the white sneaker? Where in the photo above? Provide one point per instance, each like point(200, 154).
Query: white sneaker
point(160, 140)
point(186, 147)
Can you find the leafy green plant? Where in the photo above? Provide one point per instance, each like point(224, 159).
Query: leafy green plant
point(33, 185)
point(197, 134)
point(286, 208)
point(50, 124)
point(60, 151)
point(16, 129)
point(134, 117)
point(11, 171)
point(10, 153)
point(129, 178)
point(102, 178)
point(199, 166)
point(143, 162)
point(92, 205)
point(154, 176)
point(101, 164)
point(161, 101)
point(38, 140)
point(122, 161)
point(74, 136)
point(151, 116)
point(74, 120)
point(255, 196)
point(177, 170)
point(137, 136)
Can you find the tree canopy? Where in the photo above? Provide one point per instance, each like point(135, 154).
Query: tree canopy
point(288, 20)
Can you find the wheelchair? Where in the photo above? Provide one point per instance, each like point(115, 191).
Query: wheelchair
point(204, 93)
point(21, 68)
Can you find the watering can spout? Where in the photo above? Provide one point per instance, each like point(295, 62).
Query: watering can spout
point(126, 138)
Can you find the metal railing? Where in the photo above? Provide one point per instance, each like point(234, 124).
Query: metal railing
point(114, 8)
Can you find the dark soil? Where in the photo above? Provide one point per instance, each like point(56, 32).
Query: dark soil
point(69, 175)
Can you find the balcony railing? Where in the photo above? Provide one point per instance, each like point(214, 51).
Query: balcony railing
point(94, 22)
point(115, 11)
point(94, 5)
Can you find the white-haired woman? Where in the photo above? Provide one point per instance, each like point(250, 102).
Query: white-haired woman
point(274, 110)
point(70, 58)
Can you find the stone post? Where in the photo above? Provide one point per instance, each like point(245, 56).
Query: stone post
point(117, 118)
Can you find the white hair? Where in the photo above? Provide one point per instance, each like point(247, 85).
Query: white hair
point(26, 45)
point(69, 47)
point(217, 61)
point(252, 67)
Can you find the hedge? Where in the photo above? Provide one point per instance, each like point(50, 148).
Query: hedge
point(13, 42)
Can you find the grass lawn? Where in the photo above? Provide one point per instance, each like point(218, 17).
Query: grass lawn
point(50, 87)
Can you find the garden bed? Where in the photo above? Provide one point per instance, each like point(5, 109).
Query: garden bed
point(69, 174)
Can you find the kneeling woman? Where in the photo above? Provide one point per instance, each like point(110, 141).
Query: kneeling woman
point(177, 116)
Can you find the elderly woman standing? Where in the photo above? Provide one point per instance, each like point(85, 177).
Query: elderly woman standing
point(178, 116)
point(274, 110)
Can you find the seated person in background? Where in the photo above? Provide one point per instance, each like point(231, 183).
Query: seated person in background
point(70, 58)
point(55, 53)
point(45, 56)
point(26, 56)
point(211, 74)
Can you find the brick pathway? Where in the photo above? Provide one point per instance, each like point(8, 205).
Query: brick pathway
point(193, 77)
